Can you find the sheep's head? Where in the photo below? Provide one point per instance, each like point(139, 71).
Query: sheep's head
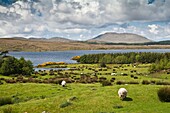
point(122, 93)
point(123, 96)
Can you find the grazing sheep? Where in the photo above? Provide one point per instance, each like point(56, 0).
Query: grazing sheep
point(63, 83)
point(122, 92)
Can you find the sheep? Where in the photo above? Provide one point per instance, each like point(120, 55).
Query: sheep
point(122, 92)
point(63, 83)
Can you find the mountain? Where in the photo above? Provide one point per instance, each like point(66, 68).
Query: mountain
point(59, 39)
point(54, 39)
point(33, 38)
point(60, 44)
point(119, 38)
point(19, 38)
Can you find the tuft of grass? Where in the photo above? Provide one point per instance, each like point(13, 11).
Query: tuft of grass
point(120, 82)
point(146, 82)
point(5, 101)
point(73, 98)
point(106, 83)
point(9, 110)
point(164, 94)
point(117, 106)
point(65, 104)
point(162, 83)
point(133, 82)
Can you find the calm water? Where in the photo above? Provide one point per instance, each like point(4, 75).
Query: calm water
point(65, 56)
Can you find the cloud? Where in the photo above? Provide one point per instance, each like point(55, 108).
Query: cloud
point(46, 18)
point(152, 1)
point(153, 29)
point(71, 31)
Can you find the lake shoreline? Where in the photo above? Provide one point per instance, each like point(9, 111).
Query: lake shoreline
point(65, 56)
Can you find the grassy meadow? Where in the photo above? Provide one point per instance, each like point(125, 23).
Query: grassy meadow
point(88, 97)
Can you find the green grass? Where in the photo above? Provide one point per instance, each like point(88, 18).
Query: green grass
point(91, 98)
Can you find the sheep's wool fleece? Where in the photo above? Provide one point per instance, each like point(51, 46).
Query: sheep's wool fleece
point(63, 83)
point(122, 91)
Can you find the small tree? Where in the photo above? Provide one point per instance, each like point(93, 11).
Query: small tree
point(3, 53)
point(25, 66)
point(11, 65)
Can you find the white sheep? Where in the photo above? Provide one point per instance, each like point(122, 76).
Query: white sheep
point(63, 83)
point(122, 92)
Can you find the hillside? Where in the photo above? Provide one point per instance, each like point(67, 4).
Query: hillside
point(119, 38)
point(41, 44)
point(58, 39)
point(54, 39)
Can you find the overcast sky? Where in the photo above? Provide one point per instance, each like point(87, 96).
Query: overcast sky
point(84, 19)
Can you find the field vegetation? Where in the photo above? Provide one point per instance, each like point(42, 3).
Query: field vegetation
point(90, 88)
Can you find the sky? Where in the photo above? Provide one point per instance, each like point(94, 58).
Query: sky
point(84, 19)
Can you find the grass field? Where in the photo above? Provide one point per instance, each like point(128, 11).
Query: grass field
point(88, 98)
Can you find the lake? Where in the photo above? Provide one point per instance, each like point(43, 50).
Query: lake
point(65, 56)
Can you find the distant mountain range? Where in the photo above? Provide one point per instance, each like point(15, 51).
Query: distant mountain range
point(119, 38)
point(55, 39)
point(104, 41)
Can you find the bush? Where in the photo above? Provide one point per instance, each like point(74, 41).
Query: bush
point(106, 83)
point(162, 83)
point(5, 100)
point(164, 94)
point(120, 82)
point(132, 76)
point(145, 82)
point(135, 77)
point(101, 79)
point(112, 79)
point(133, 82)
point(102, 64)
point(153, 81)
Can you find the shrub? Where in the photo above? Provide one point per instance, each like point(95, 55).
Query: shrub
point(102, 64)
point(145, 82)
point(162, 83)
point(120, 82)
point(164, 94)
point(131, 76)
point(133, 82)
point(112, 79)
point(135, 77)
point(124, 74)
point(5, 100)
point(153, 81)
point(101, 79)
point(106, 83)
